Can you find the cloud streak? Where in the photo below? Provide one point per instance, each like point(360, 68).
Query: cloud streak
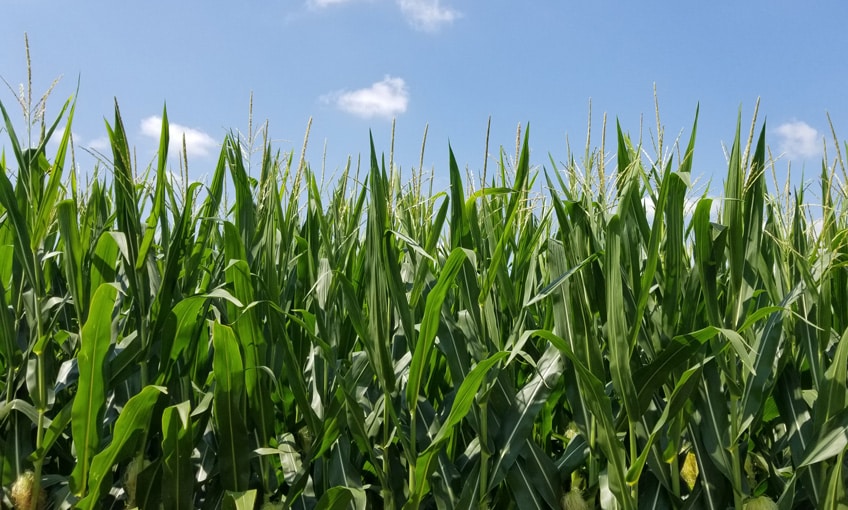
point(798, 139)
point(427, 15)
point(386, 99)
point(197, 142)
point(423, 15)
point(325, 3)
point(99, 144)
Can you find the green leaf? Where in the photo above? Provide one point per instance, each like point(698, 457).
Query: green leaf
point(179, 244)
point(833, 396)
point(519, 421)
point(55, 431)
point(126, 211)
point(22, 406)
point(129, 429)
point(23, 242)
point(575, 455)
point(712, 490)
point(235, 500)
point(10, 353)
point(831, 441)
point(522, 482)
point(522, 172)
point(674, 258)
point(178, 480)
point(290, 459)
point(620, 347)
point(601, 407)
point(186, 318)
point(769, 342)
point(245, 207)
point(834, 497)
point(228, 409)
point(47, 203)
point(430, 325)
point(158, 196)
point(249, 333)
point(342, 472)
point(90, 398)
point(683, 389)
point(459, 231)
point(559, 280)
point(104, 262)
point(798, 420)
point(465, 396)
point(732, 217)
point(378, 338)
point(706, 248)
point(712, 422)
point(205, 221)
point(541, 470)
point(66, 213)
point(342, 498)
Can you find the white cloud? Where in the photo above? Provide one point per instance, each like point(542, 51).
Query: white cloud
point(427, 15)
point(56, 138)
point(689, 205)
point(197, 142)
point(424, 15)
point(325, 3)
point(99, 144)
point(386, 98)
point(798, 140)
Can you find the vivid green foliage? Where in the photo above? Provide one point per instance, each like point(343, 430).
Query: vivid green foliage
point(378, 345)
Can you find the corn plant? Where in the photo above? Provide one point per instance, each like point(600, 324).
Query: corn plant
point(377, 345)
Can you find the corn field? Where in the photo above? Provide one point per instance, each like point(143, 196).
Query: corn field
point(546, 337)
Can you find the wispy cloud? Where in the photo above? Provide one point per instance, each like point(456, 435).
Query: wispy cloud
point(386, 98)
point(197, 142)
point(424, 15)
point(59, 133)
point(325, 3)
point(798, 139)
point(99, 144)
point(689, 205)
point(427, 15)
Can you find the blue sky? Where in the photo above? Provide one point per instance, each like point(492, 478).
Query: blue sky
point(353, 65)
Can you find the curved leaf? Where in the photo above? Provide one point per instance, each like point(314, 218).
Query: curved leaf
point(90, 399)
point(129, 428)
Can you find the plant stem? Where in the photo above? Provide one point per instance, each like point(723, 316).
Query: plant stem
point(38, 463)
point(484, 450)
point(593, 461)
point(734, 448)
point(634, 490)
point(675, 476)
point(388, 499)
point(413, 450)
point(39, 432)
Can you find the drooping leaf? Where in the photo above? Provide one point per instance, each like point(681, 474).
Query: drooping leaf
point(129, 427)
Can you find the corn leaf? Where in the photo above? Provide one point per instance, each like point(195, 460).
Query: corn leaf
point(129, 427)
point(177, 488)
point(228, 409)
point(90, 399)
